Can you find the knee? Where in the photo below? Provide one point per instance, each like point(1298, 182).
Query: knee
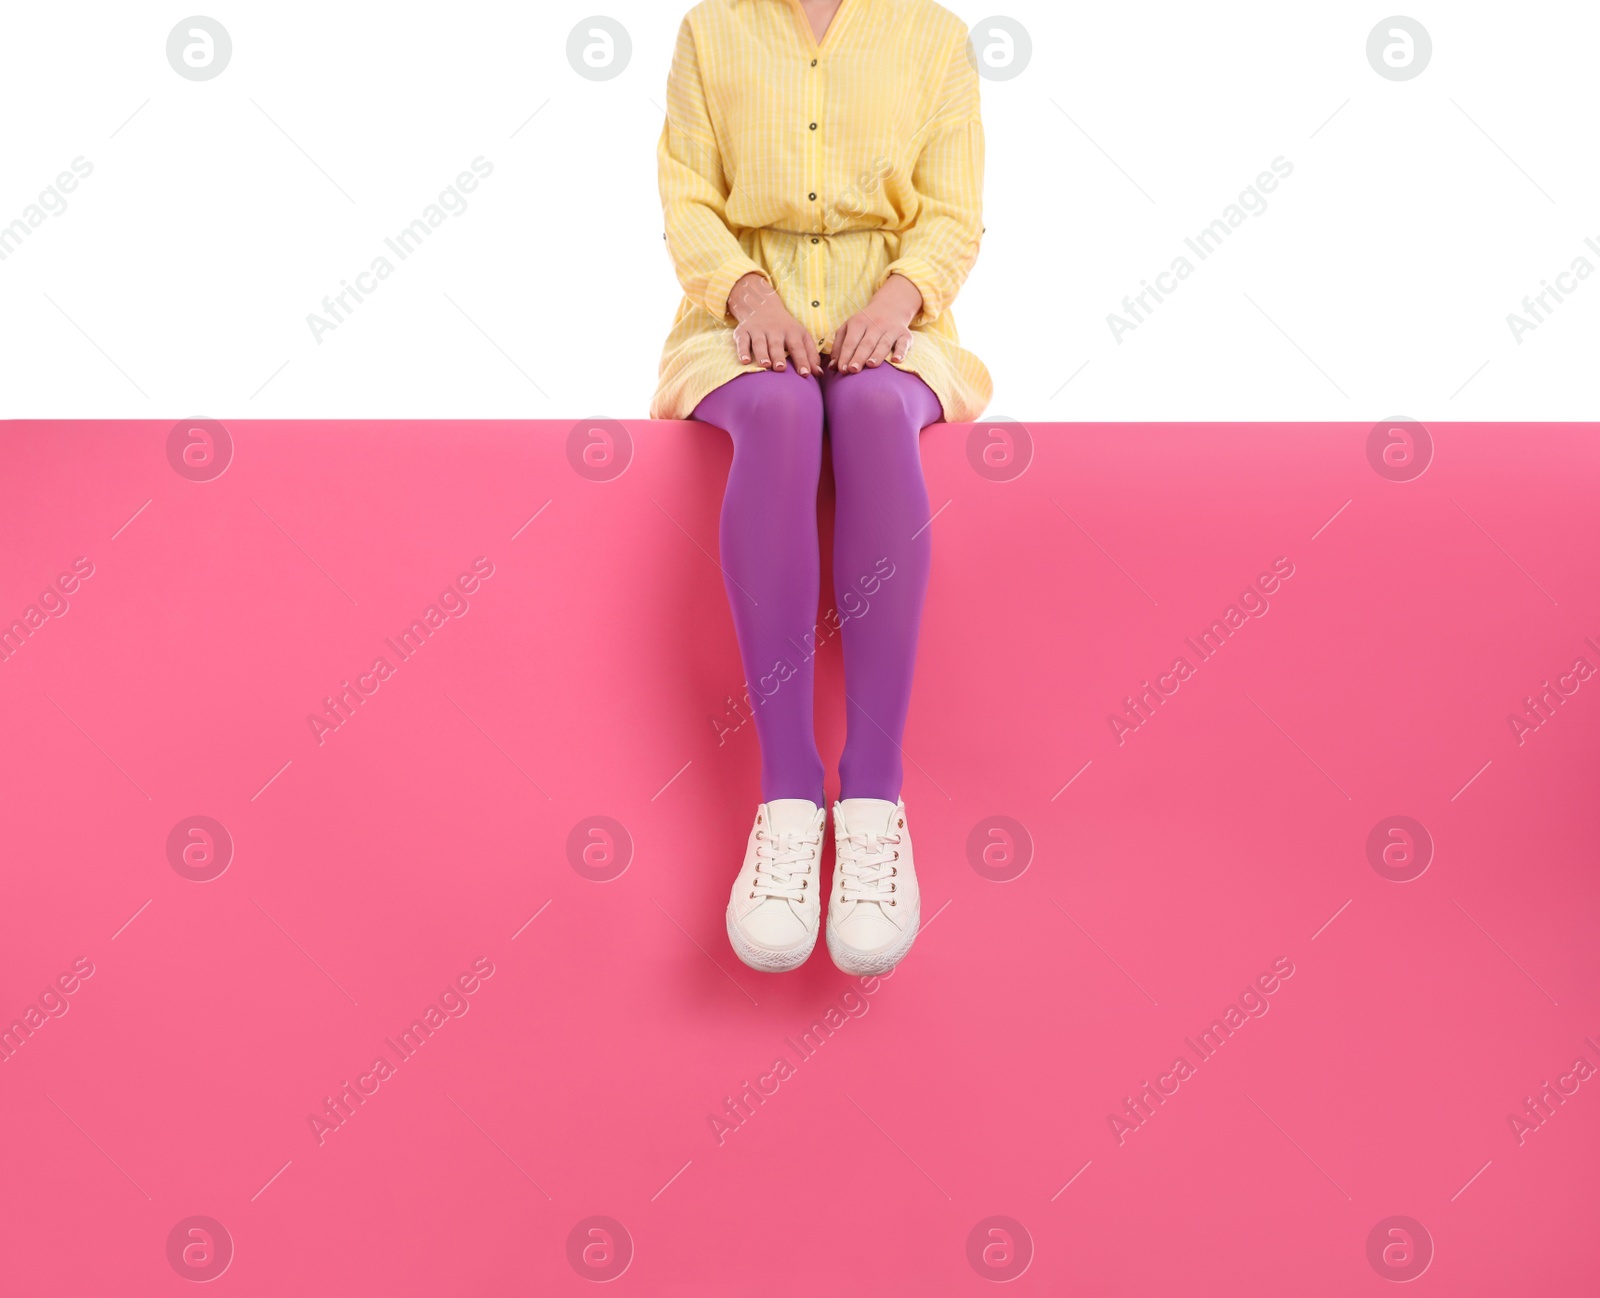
point(870, 404)
point(781, 433)
point(789, 402)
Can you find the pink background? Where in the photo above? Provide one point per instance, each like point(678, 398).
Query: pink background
point(1166, 873)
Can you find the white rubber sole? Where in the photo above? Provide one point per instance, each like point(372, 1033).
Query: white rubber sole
point(764, 959)
point(852, 961)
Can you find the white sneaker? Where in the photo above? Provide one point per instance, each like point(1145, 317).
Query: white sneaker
point(875, 906)
point(776, 902)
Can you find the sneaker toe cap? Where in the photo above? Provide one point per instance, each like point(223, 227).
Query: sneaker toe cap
point(772, 925)
point(867, 929)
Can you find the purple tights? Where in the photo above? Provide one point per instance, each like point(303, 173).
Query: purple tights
point(881, 552)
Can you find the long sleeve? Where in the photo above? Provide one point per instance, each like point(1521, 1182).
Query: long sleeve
point(694, 190)
point(939, 249)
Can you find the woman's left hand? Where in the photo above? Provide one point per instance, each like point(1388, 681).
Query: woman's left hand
point(881, 330)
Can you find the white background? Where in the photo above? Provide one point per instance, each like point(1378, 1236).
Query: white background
point(219, 213)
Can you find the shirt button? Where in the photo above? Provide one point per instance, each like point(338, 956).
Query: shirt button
point(813, 241)
point(816, 303)
point(813, 63)
point(813, 126)
point(812, 197)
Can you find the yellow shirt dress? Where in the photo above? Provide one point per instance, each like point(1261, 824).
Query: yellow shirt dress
point(827, 168)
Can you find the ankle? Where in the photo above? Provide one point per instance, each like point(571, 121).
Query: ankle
point(815, 797)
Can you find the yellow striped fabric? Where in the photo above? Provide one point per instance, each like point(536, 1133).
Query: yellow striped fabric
point(827, 168)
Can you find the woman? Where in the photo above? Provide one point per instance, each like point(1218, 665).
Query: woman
point(821, 169)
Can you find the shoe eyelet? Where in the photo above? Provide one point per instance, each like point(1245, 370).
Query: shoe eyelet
point(752, 896)
point(900, 824)
point(894, 903)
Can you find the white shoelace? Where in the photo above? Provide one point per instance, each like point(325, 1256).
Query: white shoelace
point(866, 861)
point(784, 861)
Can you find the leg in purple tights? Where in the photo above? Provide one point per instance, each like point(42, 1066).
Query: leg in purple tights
point(881, 554)
point(770, 562)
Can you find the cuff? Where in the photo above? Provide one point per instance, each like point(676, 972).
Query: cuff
point(722, 281)
point(922, 275)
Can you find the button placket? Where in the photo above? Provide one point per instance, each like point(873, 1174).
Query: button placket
point(813, 276)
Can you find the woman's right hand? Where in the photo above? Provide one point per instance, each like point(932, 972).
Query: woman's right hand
point(766, 330)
